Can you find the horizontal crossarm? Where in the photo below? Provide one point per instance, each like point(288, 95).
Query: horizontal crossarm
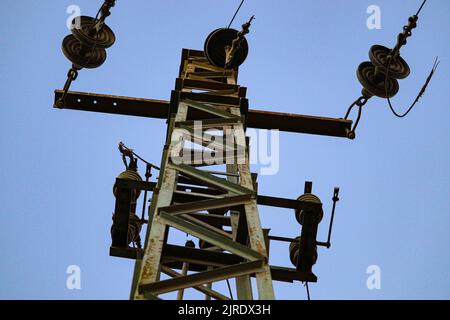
point(159, 109)
point(192, 207)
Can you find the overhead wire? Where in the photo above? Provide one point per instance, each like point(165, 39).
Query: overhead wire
point(229, 289)
point(235, 14)
point(424, 87)
point(307, 291)
point(422, 91)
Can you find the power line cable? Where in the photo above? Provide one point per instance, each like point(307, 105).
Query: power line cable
point(307, 291)
point(394, 52)
point(229, 289)
point(235, 14)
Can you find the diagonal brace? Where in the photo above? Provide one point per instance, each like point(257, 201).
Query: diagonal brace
point(218, 274)
point(191, 207)
point(211, 180)
point(212, 293)
point(211, 237)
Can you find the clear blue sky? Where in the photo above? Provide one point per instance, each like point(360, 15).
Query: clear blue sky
point(58, 167)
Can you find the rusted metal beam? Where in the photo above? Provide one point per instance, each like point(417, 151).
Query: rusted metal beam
point(157, 232)
point(198, 256)
point(212, 180)
point(290, 275)
point(192, 207)
point(290, 122)
point(286, 203)
point(261, 199)
point(127, 253)
point(214, 294)
point(213, 219)
point(173, 257)
point(211, 237)
point(281, 274)
point(201, 278)
point(159, 109)
point(103, 103)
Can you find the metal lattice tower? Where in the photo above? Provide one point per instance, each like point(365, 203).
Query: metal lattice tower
point(193, 199)
point(223, 105)
point(204, 203)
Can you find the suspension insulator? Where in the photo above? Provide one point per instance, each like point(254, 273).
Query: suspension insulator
point(129, 175)
point(216, 44)
point(295, 250)
point(85, 47)
point(398, 68)
point(373, 79)
point(85, 31)
point(189, 244)
point(82, 56)
point(309, 197)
